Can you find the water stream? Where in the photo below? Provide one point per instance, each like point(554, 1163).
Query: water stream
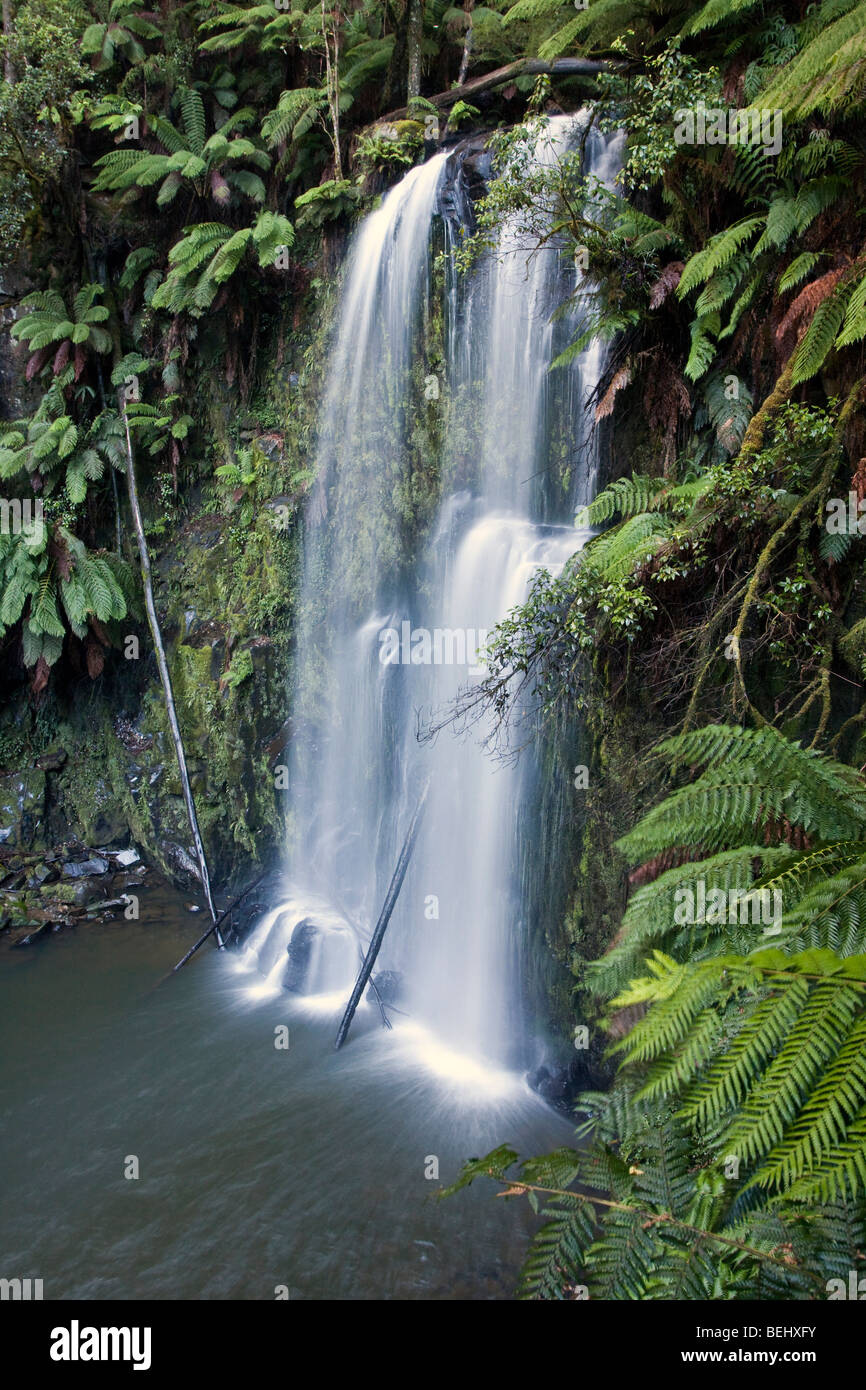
point(392, 622)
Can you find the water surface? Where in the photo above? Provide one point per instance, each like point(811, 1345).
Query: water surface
point(259, 1167)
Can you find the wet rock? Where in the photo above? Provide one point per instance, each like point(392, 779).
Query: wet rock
point(87, 892)
point(52, 759)
point(107, 825)
point(136, 883)
point(389, 983)
point(283, 507)
point(126, 858)
point(271, 444)
point(22, 808)
point(132, 738)
point(217, 658)
point(86, 868)
point(300, 950)
point(43, 873)
point(276, 744)
point(180, 860)
point(254, 896)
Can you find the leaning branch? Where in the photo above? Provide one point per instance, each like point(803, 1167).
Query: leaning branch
point(215, 926)
point(560, 67)
point(384, 918)
point(162, 664)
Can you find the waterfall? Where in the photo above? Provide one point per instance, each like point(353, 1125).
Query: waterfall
point(439, 404)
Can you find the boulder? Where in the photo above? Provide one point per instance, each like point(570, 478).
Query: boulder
point(87, 892)
point(180, 860)
point(300, 950)
point(42, 873)
point(86, 868)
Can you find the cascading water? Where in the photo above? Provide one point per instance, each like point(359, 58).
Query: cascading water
point(458, 933)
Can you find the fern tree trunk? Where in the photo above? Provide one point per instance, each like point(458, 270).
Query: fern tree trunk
point(467, 44)
point(332, 77)
point(414, 34)
point(164, 674)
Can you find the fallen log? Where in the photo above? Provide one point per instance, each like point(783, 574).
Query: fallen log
point(523, 67)
point(384, 917)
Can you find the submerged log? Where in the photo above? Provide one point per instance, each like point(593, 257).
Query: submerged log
point(384, 917)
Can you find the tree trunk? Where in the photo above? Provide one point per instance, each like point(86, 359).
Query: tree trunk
point(392, 89)
point(467, 44)
point(8, 70)
point(332, 73)
point(162, 664)
point(415, 33)
point(384, 917)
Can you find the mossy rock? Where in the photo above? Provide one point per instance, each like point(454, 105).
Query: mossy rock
point(852, 647)
point(22, 809)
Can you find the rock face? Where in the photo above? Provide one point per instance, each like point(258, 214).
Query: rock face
point(22, 809)
point(18, 396)
point(181, 861)
point(300, 951)
point(101, 770)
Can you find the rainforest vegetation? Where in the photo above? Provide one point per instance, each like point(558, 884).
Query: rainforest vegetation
point(177, 185)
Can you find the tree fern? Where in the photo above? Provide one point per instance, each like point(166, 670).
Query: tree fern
point(820, 336)
point(717, 12)
point(800, 267)
point(720, 249)
point(828, 74)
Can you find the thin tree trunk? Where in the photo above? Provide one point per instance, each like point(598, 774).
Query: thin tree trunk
point(415, 33)
point(393, 85)
point(384, 917)
point(332, 75)
point(164, 675)
point(467, 45)
point(118, 545)
point(8, 70)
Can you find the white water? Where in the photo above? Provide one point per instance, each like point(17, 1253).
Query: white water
point(459, 933)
